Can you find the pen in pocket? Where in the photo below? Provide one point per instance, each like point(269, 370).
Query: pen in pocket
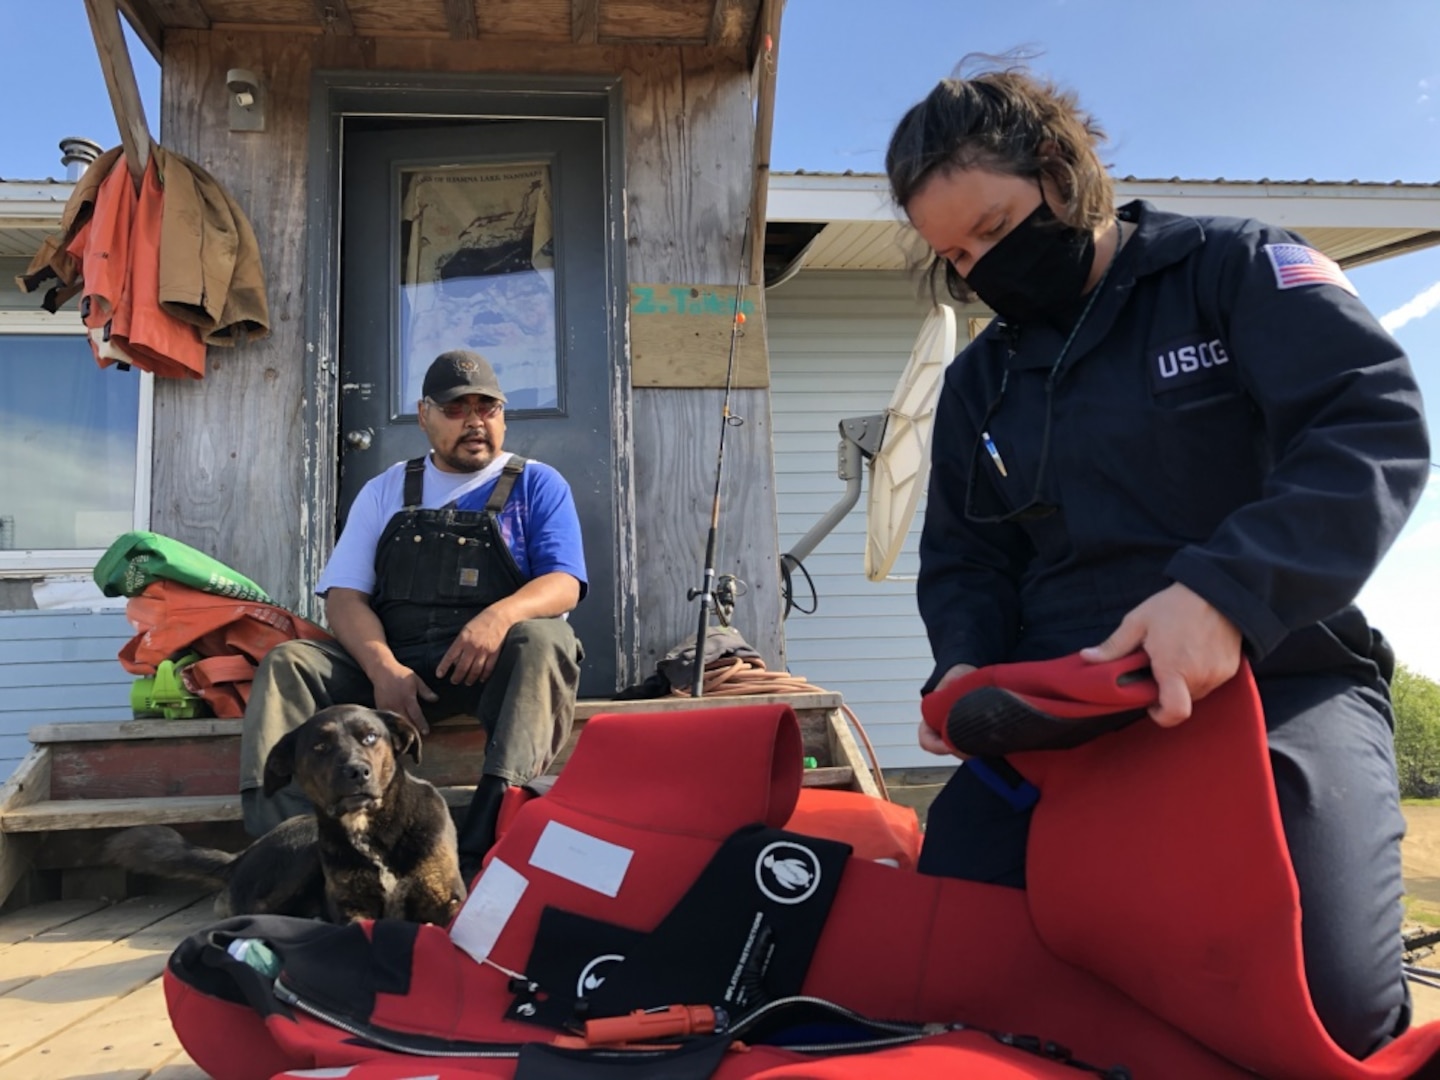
point(994, 453)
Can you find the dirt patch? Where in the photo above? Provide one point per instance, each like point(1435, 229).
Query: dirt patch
point(1420, 855)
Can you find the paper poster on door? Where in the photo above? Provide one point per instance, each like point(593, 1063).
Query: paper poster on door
point(478, 272)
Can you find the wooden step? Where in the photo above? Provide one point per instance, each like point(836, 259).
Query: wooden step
point(124, 730)
point(119, 760)
point(82, 781)
point(54, 815)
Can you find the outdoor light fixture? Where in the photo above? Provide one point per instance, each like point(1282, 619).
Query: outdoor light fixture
point(247, 101)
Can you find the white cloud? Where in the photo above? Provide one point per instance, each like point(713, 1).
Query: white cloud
point(1417, 307)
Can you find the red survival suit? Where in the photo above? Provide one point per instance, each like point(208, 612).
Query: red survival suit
point(1130, 839)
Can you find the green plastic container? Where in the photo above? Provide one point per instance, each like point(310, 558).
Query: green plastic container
point(163, 695)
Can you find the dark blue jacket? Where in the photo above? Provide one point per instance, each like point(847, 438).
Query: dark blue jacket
point(1262, 445)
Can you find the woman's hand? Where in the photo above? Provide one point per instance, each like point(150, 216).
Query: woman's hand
point(930, 740)
point(1192, 648)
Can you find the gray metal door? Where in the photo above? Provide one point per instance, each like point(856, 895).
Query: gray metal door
point(487, 235)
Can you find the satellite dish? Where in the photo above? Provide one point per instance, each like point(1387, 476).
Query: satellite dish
point(897, 445)
point(899, 472)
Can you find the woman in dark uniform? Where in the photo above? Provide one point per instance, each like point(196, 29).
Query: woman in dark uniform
point(1183, 435)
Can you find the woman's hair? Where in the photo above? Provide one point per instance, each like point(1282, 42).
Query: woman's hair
point(1006, 121)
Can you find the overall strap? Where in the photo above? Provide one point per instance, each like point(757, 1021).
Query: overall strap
point(509, 473)
point(414, 483)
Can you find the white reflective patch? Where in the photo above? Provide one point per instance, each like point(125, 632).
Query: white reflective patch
point(481, 920)
point(584, 859)
point(321, 1074)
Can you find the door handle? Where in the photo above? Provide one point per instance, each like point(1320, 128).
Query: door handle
point(360, 439)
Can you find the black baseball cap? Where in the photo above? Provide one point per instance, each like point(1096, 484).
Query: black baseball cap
point(459, 372)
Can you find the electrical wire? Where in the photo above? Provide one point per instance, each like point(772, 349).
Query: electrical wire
point(787, 588)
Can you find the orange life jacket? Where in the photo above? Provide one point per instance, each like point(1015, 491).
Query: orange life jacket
point(232, 637)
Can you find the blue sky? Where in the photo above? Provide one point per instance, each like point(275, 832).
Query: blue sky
point(1241, 89)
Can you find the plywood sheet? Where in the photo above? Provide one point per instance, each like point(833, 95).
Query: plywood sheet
point(645, 20)
point(261, 12)
point(381, 17)
point(680, 336)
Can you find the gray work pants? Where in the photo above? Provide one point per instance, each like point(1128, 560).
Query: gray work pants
point(527, 707)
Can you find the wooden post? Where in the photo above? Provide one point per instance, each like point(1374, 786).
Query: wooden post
point(767, 33)
point(120, 81)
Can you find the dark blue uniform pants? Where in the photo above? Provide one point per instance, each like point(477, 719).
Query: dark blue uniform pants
point(1333, 757)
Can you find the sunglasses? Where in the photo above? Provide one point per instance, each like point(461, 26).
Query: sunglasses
point(485, 408)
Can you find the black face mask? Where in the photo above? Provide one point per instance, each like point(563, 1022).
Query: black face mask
point(1037, 271)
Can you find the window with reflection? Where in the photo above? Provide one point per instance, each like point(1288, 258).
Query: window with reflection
point(68, 441)
point(477, 271)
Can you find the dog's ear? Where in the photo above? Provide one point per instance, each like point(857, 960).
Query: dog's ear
point(280, 764)
point(404, 735)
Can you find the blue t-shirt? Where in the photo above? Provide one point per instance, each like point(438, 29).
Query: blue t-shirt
point(538, 523)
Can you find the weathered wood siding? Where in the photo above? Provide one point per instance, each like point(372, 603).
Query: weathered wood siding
point(688, 138)
point(232, 452)
point(56, 667)
point(229, 451)
point(838, 343)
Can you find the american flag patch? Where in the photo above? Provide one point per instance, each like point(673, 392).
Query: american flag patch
point(1296, 264)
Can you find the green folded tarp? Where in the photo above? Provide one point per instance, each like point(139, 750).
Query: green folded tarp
point(138, 558)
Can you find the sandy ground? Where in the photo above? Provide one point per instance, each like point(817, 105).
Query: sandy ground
point(1421, 856)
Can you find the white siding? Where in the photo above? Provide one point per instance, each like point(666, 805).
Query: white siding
point(58, 666)
point(838, 343)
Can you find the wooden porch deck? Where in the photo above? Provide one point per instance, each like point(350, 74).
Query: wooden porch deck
point(80, 989)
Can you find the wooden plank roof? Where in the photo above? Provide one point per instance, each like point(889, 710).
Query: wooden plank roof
point(717, 23)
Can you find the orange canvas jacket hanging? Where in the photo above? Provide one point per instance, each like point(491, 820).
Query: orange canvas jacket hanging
point(119, 253)
point(174, 268)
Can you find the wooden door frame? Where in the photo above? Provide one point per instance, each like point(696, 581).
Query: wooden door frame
point(336, 95)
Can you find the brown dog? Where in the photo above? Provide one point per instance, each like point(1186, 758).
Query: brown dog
point(380, 844)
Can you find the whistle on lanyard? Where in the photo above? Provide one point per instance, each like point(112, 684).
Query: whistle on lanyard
point(647, 1025)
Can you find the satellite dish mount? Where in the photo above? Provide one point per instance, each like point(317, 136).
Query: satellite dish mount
point(896, 445)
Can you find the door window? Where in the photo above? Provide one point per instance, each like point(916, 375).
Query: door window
point(477, 271)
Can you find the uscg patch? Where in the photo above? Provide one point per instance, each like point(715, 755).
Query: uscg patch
point(1186, 361)
point(1296, 265)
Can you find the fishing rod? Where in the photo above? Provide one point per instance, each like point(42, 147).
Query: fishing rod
point(706, 592)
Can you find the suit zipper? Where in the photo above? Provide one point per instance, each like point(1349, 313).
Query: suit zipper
point(388, 1040)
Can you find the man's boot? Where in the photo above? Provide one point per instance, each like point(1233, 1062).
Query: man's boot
point(477, 830)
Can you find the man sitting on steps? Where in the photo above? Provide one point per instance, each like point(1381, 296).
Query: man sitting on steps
point(446, 594)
